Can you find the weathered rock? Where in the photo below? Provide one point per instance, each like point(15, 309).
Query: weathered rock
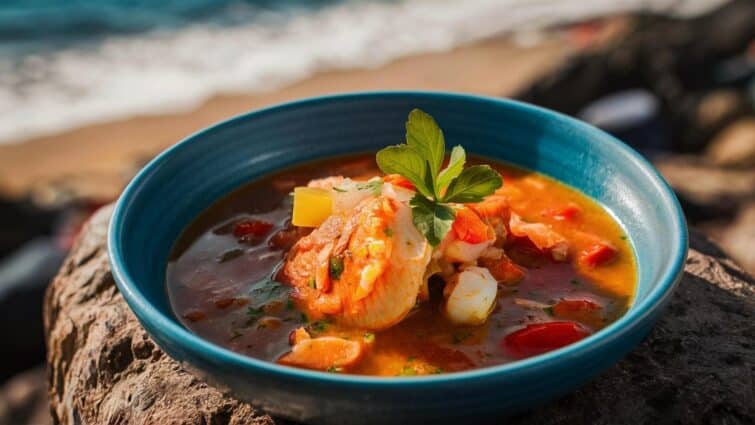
point(23, 399)
point(735, 145)
point(705, 190)
point(738, 239)
point(696, 367)
point(675, 59)
point(718, 106)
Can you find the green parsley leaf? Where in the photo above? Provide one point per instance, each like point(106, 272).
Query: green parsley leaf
point(420, 161)
point(424, 136)
point(454, 168)
point(432, 219)
point(369, 337)
point(473, 184)
point(404, 160)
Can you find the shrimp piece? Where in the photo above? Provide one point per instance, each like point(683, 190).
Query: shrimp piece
point(469, 237)
point(495, 210)
point(362, 267)
point(542, 236)
point(324, 353)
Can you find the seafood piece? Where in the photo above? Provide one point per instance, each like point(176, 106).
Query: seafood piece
point(470, 296)
point(542, 236)
point(364, 267)
point(322, 353)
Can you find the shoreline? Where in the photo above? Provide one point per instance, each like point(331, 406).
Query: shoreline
point(95, 161)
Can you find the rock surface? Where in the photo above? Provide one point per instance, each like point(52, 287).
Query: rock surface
point(695, 367)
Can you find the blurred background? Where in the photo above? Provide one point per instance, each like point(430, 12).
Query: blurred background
point(90, 90)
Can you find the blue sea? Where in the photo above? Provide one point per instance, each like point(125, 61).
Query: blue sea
point(66, 63)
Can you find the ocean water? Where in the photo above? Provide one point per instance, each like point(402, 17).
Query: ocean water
point(64, 64)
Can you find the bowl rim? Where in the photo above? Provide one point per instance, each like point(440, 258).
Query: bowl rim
point(635, 317)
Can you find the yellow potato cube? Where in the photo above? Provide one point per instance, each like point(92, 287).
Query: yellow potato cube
point(311, 206)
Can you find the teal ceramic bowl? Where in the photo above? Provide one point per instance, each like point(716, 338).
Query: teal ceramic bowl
point(175, 187)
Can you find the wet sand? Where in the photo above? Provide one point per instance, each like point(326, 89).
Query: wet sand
point(95, 161)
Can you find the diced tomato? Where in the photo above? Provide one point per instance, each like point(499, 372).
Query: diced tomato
point(398, 180)
point(504, 270)
point(597, 254)
point(542, 337)
point(565, 213)
point(469, 227)
point(255, 228)
point(492, 206)
point(544, 238)
point(584, 311)
point(452, 359)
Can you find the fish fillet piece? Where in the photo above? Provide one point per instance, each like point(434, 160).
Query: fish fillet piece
point(362, 268)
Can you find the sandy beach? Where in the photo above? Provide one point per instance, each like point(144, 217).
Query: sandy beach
point(97, 160)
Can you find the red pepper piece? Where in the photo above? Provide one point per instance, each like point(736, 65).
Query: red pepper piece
point(255, 228)
point(597, 255)
point(542, 337)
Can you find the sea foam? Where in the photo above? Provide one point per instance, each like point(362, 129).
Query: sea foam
point(177, 69)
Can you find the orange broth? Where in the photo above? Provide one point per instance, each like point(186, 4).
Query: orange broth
point(212, 273)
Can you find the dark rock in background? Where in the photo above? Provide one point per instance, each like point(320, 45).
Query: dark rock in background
point(678, 60)
point(23, 399)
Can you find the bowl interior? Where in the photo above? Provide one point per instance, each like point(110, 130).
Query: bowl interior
point(170, 192)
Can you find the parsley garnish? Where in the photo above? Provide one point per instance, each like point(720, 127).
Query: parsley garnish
point(420, 161)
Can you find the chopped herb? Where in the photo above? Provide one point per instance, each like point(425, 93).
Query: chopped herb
point(575, 282)
point(235, 334)
point(407, 370)
point(388, 231)
point(336, 267)
point(312, 282)
point(548, 310)
point(289, 304)
point(254, 314)
point(304, 318)
point(438, 370)
point(334, 369)
point(420, 161)
point(267, 291)
point(338, 189)
point(319, 326)
point(375, 186)
point(623, 237)
point(411, 359)
point(369, 337)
